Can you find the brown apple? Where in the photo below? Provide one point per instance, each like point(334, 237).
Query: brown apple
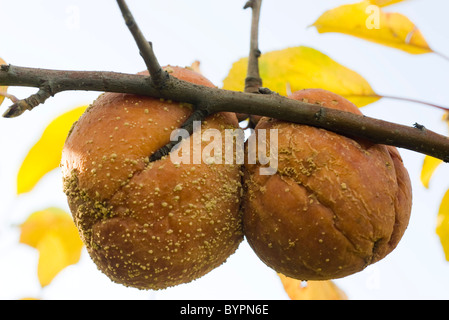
point(335, 205)
point(150, 225)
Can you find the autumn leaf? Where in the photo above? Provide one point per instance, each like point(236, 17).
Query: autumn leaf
point(446, 118)
point(300, 68)
point(368, 22)
point(430, 164)
point(45, 155)
point(2, 88)
point(53, 233)
point(384, 3)
point(443, 224)
point(312, 290)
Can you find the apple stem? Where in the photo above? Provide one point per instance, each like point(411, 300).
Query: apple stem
point(218, 100)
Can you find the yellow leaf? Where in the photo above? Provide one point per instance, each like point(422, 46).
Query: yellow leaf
point(52, 258)
point(45, 155)
point(312, 290)
point(53, 233)
point(384, 3)
point(443, 224)
point(446, 117)
point(369, 22)
point(2, 88)
point(430, 164)
point(300, 68)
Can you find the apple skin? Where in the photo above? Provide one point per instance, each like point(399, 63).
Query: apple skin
point(150, 225)
point(335, 205)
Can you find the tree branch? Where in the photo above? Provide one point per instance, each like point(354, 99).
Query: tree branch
point(214, 100)
point(158, 75)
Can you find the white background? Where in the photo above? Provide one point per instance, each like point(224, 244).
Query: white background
point(91, 35)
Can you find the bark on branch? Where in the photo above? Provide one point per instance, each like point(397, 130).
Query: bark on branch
point(212, 100)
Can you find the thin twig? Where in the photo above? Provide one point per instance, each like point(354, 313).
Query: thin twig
point(218, 100)
point(414, 101)
point(158, 75)
point(253, 80)
point(197, 115)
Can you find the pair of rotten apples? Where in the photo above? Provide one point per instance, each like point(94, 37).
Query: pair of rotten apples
point(335, 205)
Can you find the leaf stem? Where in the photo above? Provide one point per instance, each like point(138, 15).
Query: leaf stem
point(414, 101)
point(9, 96)
point(442, 55)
